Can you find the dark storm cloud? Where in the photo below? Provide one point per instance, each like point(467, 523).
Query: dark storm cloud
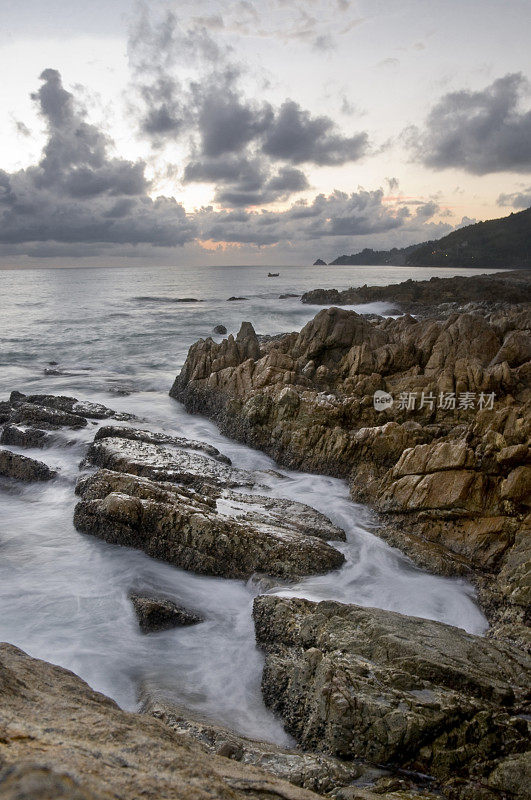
point(77, 193)
point(520, 199)
point(227, 122)
point(479, 132)
point(294, 135)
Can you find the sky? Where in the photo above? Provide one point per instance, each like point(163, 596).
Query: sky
point(272, 132)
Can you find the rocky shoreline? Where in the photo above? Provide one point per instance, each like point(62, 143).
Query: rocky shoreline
point(381, 705)
point(446, 466)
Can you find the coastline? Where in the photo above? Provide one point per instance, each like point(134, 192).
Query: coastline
point(380, 704)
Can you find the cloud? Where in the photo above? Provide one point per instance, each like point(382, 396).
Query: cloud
point(520, 199)
point(340, 217)
point(294, 135)
point(80, 200)
point(242, 181)
point(78, 193)
point(209, 113)
point(479, 132)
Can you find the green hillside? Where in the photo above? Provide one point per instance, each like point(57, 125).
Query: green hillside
point(495, 243)
point(502, 242)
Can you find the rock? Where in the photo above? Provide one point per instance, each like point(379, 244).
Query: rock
point(287, 296)
point(160, 613)
point(445, 463)
point(200, 532)
point(146, 458)
point(237, 298)
point(22, 468)
point(220, 329)
point(373, 684)
point(60, 739)
point(30, 781)
point(69, 405)
point(155, 437)
point(36, 414)
point(416, 296)
point(20, 436)
point(314, 771)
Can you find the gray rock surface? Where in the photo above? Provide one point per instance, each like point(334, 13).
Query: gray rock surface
point(373, 684)
point(200, 532)
point(156, 437)
point(162, 463)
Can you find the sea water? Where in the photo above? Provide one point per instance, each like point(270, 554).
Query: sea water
point(119, 337)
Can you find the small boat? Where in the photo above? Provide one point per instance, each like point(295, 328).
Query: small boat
point(273, 274)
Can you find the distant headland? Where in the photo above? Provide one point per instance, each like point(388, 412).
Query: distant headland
point(496, 243)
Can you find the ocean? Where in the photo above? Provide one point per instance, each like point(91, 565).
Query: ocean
point(119, 336)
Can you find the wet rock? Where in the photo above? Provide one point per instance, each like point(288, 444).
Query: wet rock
point(161, 613)
point(141, 457)
point(198, 532)
point(60, 739)
point(287, 296)
point(314, 771)
point(36, 414)
point(156, 437)
point(361, 682)
point(22, 468)
point(220, 329)
point(236, 298)
point(20, 436)
point(445, 464)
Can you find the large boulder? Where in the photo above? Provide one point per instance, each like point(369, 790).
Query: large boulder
point(362, 682)
point(60, 740)
point(214, 533)
point(146, 458)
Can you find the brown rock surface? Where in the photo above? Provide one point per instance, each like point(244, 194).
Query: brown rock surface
point(449, 477)
point(22, 468)
point(61, 740)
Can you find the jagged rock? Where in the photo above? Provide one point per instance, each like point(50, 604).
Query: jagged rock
point(220, 329)
point(161, 613)
point(237, 298)
point(60, 739)
point(361, 682)
point(141, 457)
point(448, 476)
point(20, 436)
point(314, 771)
point(22, 468)
point(207, 533)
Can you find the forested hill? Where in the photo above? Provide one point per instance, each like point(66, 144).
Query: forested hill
point(496, 243)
